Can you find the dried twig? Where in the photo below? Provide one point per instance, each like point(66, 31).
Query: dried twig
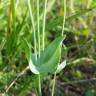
point(14, 81)
point(77, 81)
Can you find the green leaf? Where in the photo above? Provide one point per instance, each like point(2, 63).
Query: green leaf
point(48, 60)
point(27, 48)
point(61, 66)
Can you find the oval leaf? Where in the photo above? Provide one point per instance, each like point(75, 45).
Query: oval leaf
point(49, 58)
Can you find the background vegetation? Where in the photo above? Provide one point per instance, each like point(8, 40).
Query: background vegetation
point(79, 47)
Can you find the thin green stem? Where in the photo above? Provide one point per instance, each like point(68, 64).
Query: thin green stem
point(44, 22)
point(54, 81)
point(38, 23)
point(38, 27)
point(48, 9)
point(64, 18)
point(33, 26)
point(39, 83)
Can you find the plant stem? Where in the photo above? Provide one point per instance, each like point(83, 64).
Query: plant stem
point(54, 81)
point(48, 9)
point(64, 17)
point(33, 26)
point(39, 83)
point(53, 87)
point(44, 22)
point(38, 23)
point(14, 81)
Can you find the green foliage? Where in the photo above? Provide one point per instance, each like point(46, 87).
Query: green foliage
point(49, 64)
point(76, 61)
